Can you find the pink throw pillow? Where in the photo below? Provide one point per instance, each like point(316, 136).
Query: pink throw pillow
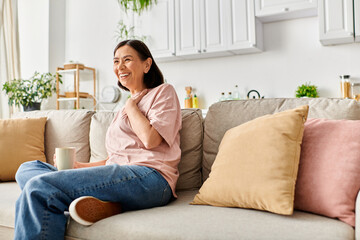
point(329, 171)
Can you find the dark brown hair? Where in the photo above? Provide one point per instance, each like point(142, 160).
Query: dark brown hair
point(153, 77)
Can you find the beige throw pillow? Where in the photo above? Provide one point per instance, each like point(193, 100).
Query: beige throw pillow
point(21, 140)
point(257, 163)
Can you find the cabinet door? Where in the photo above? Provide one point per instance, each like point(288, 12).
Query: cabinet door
point(187, 22)
point(336, 21)
point(357, 20)
point(157, 25)
point(245, 33)
point(213, 25)
point(274, 10)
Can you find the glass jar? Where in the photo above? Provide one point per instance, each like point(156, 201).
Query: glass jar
point(222, 97)
point(355, 90)
point(345, 86)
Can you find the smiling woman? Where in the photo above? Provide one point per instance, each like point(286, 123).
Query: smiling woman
point(141, 170)
point(130, 69)
point(131, 54)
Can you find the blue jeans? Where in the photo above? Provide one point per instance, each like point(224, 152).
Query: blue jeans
point(47, 193)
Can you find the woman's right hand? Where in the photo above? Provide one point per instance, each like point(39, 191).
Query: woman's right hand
point(131, 103)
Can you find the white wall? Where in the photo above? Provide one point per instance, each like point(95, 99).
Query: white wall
point(41, 39)
point(293, 55)
point(90, 36)
point(33, 36)
point(41, 35)
point(56, 34)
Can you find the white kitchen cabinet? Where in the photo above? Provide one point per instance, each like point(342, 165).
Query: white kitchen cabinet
point(187, 24)
point(336, 24)
point(177, 29)
point(216, 28)
point(245, 33)
point(275, 10)
point(357, 20)
point(157, 25)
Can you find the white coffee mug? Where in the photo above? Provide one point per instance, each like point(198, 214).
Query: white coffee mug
point(65, 157)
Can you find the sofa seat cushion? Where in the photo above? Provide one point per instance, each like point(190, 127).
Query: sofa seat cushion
point(9, 192)
point(179, 220)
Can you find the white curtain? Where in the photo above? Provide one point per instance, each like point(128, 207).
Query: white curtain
point(9, 50)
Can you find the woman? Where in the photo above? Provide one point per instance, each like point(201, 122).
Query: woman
point(143, 145)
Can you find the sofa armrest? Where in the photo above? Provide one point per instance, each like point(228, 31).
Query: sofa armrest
point(357, 217)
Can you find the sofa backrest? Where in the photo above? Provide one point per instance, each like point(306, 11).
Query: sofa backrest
point(222, 116)
point(199, 143)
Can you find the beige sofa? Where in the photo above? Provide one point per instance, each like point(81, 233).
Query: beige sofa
point(200, 139)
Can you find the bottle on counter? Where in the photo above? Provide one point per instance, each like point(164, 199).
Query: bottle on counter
point(222, 97)
point(229, 96)
point(236, 93)
point(355, 90)
point(345, 86)
point(188, 98)
point(195, 102)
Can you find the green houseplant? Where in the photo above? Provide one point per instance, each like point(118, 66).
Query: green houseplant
point(124, 31)
point(30, 92)
point(307, 90)
point(137, 6)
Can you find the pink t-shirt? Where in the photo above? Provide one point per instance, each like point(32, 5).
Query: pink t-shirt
point(161, 107)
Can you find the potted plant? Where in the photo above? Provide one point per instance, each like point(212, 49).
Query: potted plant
point(123, 31)
point(307, 90)
point(30, 92)
point(137, 6)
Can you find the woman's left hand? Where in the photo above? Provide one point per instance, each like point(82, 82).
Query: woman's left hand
point(77, 165)
point(89, 164)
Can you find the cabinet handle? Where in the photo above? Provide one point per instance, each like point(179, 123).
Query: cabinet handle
point(173, 54)
point(285, 9)
point(204, 50)
point(199, 51)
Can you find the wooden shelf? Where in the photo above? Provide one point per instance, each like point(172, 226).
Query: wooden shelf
point(73, 99)
point(72, 70)
point(76, 95)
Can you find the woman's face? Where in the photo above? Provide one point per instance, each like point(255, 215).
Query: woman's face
point(130, 69)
